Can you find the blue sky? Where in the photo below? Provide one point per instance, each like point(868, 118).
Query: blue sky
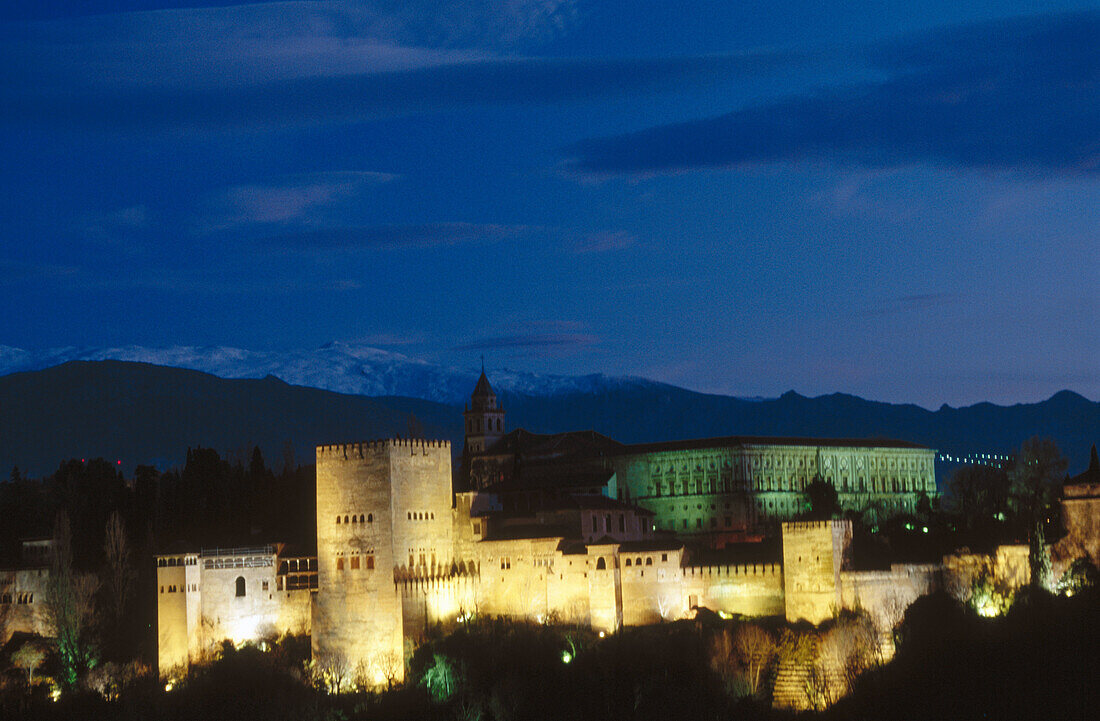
point(896, 200)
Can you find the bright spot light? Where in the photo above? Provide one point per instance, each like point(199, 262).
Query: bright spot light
point(566, 657)
point(55, 694)
point(924, 529)
point(168, 686)
point(602, 634)
point(987, 610)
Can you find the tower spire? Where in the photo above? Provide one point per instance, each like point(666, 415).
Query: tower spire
point(484, 417)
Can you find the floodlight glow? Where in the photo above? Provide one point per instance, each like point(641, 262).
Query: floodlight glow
point(566, 657)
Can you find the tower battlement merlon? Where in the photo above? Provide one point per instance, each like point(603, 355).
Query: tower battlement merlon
point(812, 525)
point(356, 450)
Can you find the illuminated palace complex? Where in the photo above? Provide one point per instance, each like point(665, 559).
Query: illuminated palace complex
point(573, 528)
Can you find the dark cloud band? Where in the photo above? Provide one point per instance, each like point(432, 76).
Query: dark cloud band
point(1021, 95)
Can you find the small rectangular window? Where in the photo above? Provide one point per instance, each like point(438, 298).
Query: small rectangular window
point(370, 562)
point(355, 563)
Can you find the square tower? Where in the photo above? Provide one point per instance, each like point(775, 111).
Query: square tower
point(383, 514)
point(814, 553)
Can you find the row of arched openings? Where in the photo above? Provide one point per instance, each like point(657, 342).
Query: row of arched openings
point(361, 518)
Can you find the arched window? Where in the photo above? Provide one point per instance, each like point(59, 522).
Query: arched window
point(345, 519)
point(628, 563)
point(370, 518)
point(240, 586)
point(354, 518)
point(649, 560)
point(362, 518)
point(337, 519)
point(600, 564)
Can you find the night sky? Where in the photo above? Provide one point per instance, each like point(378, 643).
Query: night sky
point(898, 200)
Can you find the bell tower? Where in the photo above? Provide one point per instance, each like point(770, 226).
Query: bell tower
point(484, 417)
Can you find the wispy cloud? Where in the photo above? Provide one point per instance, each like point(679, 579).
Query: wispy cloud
point(1009, 95)
point(388, 237)
point(287, 199)
point(531, 341)
point(603, 242)
point(308, 63)
point(542, 337)
point(391, 339)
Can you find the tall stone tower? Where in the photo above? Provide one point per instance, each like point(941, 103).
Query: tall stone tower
point(484, 417)
point(383, 514)
point(814, 554)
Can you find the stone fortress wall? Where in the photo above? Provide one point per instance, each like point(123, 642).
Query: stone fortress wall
point(230, 594)
point(398, 554)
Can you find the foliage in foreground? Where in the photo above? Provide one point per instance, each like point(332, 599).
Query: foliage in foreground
point(1038, 661)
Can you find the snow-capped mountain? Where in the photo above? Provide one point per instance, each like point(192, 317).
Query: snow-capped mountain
point(340, 367)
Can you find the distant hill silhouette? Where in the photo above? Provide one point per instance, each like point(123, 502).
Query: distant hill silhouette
point(664, 413)
point(145, 414)
point(141, 413)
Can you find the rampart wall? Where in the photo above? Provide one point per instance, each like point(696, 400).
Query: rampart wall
point(754, 589)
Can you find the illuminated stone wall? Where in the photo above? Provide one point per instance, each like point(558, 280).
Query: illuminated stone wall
point(173, 629)
point(886, 594)
point(22, 602)
point(199, 608)
point(652, 586)
point(1081, 519)
point(735, 489)
point(814, 553)
point(754, 589)
point(383, 512)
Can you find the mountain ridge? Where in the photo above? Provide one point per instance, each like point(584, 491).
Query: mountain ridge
point(147, 413)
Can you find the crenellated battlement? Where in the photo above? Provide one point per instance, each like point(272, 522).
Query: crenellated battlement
point(813, 525)
point(735, 570)
point(361, 449)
